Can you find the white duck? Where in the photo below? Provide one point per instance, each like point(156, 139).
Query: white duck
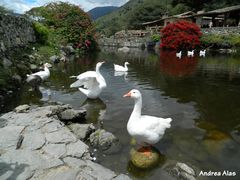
point(190, 53)
point(147, 130)
point(179, 54)
point(202, 53)
point(121, 68)
point(92, 81)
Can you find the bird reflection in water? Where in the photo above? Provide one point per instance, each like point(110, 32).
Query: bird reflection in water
point(96, 110)
point(121, 73)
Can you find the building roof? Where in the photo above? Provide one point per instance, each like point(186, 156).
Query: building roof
point(190, 14)
point(220, 11)
point(179, 16)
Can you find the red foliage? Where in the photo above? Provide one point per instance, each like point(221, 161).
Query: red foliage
point(173, 66)
point(180, 35)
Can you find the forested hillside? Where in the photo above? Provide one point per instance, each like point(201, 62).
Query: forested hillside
point(101, 11)
point(135, 12)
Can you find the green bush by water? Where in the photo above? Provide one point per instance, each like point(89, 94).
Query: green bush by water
point(41, 32)
point(231, 40)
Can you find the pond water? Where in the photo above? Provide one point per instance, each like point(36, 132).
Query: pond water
point(201, 95)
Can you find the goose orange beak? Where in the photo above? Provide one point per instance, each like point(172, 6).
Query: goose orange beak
point(127, 95)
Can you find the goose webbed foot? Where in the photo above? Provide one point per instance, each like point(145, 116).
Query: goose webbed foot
point(146, 150)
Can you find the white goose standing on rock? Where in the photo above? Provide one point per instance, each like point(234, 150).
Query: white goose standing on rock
point(92, 81)
point(121, 68)
point(146, 130)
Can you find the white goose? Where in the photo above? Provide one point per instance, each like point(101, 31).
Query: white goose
point(92, 81)
point(202, 53)
point(37, 78)
point(42, 74)
point(121, 68)
point(147, 130)
point(190, 53)
point(179, 54)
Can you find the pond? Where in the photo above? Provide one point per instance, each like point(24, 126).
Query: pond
point(201, 95)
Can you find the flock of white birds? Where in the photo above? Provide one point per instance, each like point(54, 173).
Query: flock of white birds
point(146, 130)
point(202, 53)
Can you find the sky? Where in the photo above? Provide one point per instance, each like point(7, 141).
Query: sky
point(20, 6)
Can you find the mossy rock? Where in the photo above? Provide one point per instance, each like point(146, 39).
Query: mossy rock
point(140, 160)
point(216, 135)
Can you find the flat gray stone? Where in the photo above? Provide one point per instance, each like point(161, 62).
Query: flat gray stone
point(186, 168)
point(52, 126)
point(122, 177)
point(3, 122)
point(75, 162)
point(98, 171)
point(22, 108)
point(77, 149)
point(58, 173)
point(62, 136)
point(34, 140)
point(90, 168)
point(55, 150)
point(15, 171)
point(33, 159)
point(82, 131)
point(72, 115)
point(9, 136)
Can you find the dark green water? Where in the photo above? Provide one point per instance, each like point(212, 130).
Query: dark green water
point(201, 95)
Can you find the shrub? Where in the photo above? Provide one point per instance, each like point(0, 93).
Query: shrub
point(155, 37)
point(180, 35)
point(222, 41)
point(69, 22)
point(41, 32)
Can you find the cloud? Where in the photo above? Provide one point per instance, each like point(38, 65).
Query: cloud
point(20, 6)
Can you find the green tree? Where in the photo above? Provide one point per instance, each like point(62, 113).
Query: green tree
point(70, 22)
point(144, 13)
point(4, 10)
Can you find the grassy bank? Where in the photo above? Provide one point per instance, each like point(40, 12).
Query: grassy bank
point(221, 41)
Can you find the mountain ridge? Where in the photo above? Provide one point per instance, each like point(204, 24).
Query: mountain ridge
point(97, 12)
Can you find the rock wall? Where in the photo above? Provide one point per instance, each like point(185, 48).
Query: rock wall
point(124, 42)
point(221, 30)
point(15, 31)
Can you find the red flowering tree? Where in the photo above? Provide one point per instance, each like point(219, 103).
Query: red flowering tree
point(69, 23)
point(180, 35)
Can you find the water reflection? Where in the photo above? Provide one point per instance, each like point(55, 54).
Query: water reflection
point(174, 66)
point(201, 95)
point(96, 110)
point(119, 73)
